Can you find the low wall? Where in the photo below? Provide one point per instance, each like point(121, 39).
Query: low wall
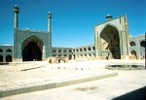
point(53, 85)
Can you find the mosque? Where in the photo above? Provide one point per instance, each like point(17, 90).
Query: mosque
point(111, 41)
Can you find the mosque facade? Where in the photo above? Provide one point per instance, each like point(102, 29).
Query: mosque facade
point(111, 41)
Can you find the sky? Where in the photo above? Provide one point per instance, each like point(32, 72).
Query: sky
point(73, 21)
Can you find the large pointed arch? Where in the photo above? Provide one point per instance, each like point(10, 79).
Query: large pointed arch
point(110, 41)
point(32, 48)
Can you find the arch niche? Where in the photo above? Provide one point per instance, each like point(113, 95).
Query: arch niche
point(132, 43)
point(133, 54)
point(8, 58)
point(111, 42)
point(32, 49)
point(143, 48)
point(1, 58)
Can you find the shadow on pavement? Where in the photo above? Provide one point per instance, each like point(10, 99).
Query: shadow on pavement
point(139, 94)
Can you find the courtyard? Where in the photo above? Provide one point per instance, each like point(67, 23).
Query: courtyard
point(75, 80)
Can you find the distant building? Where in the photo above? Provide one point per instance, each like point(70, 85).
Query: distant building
point(6, 53)
point(112, 41)
point(137, 47)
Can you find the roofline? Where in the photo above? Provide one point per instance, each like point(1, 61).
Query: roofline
point(63, 47)
point(85, 45)
point(111, 19)
point(6, 45)
point(75, 46)
point(30, 30)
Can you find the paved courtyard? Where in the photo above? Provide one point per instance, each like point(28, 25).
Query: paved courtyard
point(26, 74)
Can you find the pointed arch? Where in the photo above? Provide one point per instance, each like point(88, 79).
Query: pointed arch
point(1, 58)
point(32, 38)
point(143, 49)
point(110, 41)
point(132, 43)
point(107, 25)
point(8, 58)
point(133, 54)
point(32, 48)
point(1, 50)
point(143, 43)
point(8, 50)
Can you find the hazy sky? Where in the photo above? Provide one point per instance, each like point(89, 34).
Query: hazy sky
point(73, 21)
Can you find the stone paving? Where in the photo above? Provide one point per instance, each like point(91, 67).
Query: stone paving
point(104, 89)
point(33, 73)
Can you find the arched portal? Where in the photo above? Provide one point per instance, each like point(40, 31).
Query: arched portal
point(32, 49)
point(8, 58)
point(110, 42)
point(1, 58)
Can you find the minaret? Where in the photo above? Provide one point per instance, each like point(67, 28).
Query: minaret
point(50, 34)
point(49, 22)
point(16, 11)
